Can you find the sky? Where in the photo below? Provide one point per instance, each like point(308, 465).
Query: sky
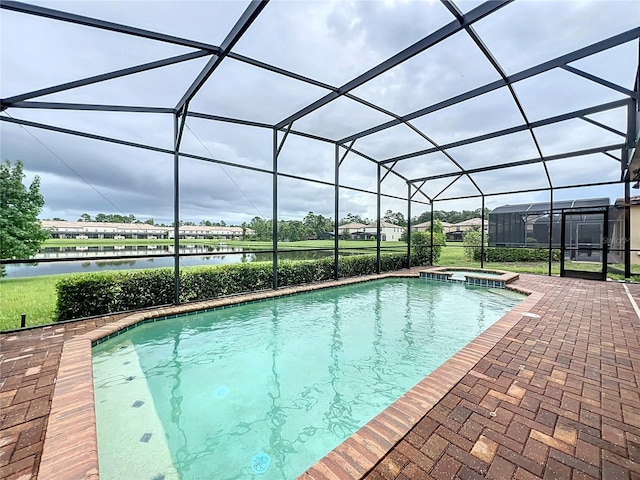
point(332, 42)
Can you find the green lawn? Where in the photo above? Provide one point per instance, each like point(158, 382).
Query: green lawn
point(35, 296)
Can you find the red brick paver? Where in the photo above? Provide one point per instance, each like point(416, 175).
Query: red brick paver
point(554, 396)
point(29, 363)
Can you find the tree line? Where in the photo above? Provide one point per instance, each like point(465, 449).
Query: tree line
point(310, 225)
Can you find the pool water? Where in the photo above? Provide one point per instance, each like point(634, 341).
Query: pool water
point(264, 390)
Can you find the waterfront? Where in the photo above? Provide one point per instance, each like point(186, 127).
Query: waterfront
point(95, 258)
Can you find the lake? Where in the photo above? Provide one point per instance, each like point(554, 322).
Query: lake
point(90, 258)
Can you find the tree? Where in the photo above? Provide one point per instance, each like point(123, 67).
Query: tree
point(472, 242)
point(85, 217)
point(292, 231)
point(396, 218)
point(317, 224)
point(20, 232)
point(421, 246)
point(351, 218)
point(262, 227)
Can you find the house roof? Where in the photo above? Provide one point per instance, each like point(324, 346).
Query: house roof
point(545, 206)
point(351, 225)
point(383, 224)
point(55, 224)
point(428, 224)
point(471, 221)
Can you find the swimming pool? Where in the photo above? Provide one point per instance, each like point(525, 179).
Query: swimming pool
point(266, 389)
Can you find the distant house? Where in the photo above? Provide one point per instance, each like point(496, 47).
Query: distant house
point(388, 231)
point(202, 232)
point(426, 227)
point(326, 236)
point(121, 231)
point(103, 230)
point(349, 228)
point(368, 236)
point(456, 231)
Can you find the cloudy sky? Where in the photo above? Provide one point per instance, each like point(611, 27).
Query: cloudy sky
point(332, 42)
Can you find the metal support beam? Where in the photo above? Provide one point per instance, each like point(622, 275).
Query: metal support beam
point(236, 121)
point(496, 65)
point(508, 131)
point(284, 139)
point(251, 123)
point(183, 122)
point(547, 158)
point(176, 211)
point(447, 187)
point(77, 133)
point(627, 230)
point(378, 214)
point(418, 189)
point(8, 102)
point(280, 71)
point(531, 190)
point(416, 130)
point(274, 226)
point(550, 261)
point(632, 126)
point(602, 125)
point(409, 224)
point(90, 107)
point(482, 235)
point(347, 150)
point(524, 74)
point(373, 160)
point(436, 37)
point(601, 81)
point(389, 170)
point(241, 26)
point(101, 24)
point(431, 240)
point(336, 210)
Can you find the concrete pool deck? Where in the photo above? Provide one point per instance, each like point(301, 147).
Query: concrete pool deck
point(553, 391)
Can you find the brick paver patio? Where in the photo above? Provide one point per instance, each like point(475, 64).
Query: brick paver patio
point(556, 397)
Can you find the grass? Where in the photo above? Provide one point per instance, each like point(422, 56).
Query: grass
point(36, 296)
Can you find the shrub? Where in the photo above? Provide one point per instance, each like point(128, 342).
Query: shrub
point(520, 255)
point(472, 243)
point(421, 247)
point(88, 294)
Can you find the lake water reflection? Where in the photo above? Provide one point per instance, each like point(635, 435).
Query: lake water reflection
point(76, 258)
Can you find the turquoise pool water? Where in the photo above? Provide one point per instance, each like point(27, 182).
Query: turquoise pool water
point(264, 390)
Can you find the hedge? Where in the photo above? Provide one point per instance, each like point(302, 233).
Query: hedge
point(89, 294)
point(518, 255)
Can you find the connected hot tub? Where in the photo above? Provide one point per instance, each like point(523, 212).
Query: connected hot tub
point(476, 277)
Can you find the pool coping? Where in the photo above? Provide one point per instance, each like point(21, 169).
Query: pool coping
point(70, 446)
